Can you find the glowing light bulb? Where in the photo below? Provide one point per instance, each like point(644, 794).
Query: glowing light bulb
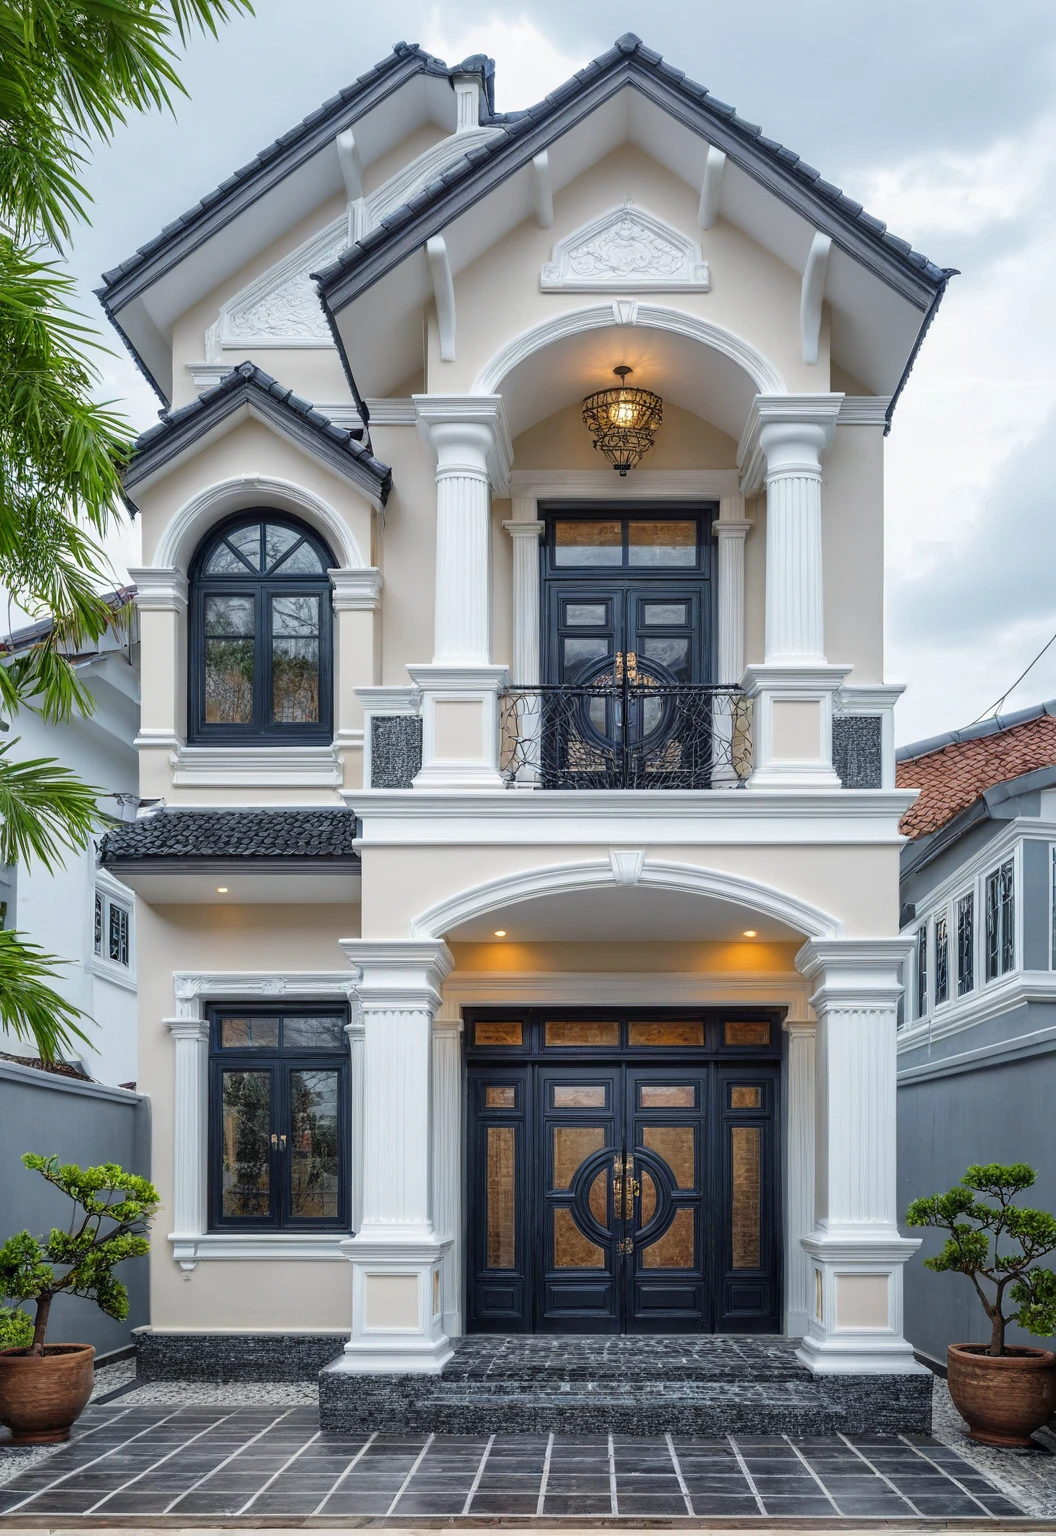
point(751, 933)
point(221, 890)
point(624, 413)
point(500, 933)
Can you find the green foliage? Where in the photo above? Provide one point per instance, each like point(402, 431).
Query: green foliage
point(71, 71)
point(16, 1328)
point(111, 1216)
point(974, 1225)
point(30, 1009)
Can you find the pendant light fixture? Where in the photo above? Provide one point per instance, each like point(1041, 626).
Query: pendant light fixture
point(623, 421)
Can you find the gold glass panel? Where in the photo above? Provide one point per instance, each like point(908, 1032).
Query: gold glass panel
point(499, 1032)
point(599, 1199)
point(582, 1032)
point(746, 1098)
point(746, 1193)
point(668, 1096)
point(666, 1032)
point(572, 1144)
point(243, 1033)
point(571, 1249)
point(747, 1032)
point(648, 1206)
point(676, 1144)
point(500, 1098)
point(579, 1096)
point(501, 1205)
point(675, 1249)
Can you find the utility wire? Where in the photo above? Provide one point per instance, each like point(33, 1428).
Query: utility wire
point(988, 713)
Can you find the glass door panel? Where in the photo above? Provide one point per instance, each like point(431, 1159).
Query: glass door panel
point(666, 1138)
point(246, 1145)
point(579, 1114)
point(313, 1144)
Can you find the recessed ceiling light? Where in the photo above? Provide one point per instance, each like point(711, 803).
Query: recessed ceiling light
point(500, 933)
point(221, 890)
point(751, 933)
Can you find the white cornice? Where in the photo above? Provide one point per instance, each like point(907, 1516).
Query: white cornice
point(193, 988)
point(389, 700)
point(355, 589)
point(864, 411)
point(189, 1248)
point(591, 484)
point(394, 412)
point(159, 589)
point(244, 767)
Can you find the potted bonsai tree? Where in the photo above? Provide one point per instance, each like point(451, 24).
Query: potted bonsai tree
point(1003, 1391)
point(43, 1387)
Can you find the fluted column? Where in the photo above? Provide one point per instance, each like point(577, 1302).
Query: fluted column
point(856, 1251)
point(447, 1163)
point(781, 450)
point(190, 1076)
point(397, 1251)
point(469, 442)
point(799, 1174)
point(525, 534)
point(730, 531)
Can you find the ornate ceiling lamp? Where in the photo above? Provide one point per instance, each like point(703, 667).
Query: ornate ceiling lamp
point(623, 421)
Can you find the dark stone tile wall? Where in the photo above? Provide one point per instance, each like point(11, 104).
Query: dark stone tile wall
point(395, 750)
point(857, 750)
point(235, 1356)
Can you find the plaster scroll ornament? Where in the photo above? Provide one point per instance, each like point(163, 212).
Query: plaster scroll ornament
point(626, 250)
point(281, 308)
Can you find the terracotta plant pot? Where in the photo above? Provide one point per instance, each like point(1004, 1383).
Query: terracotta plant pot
point(41, 1398)
point(1004, 1398)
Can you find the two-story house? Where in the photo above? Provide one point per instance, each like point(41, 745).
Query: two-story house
point(518, 941)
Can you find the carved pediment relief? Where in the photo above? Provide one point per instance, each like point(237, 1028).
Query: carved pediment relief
point(625, 250)
point(281, 308)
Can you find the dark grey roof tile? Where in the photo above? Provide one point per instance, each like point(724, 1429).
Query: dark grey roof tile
point(324, 834)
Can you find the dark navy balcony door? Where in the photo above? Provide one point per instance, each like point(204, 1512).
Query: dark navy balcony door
point(633, 1195)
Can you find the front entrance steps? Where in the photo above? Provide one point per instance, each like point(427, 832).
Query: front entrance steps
point(689, 1384)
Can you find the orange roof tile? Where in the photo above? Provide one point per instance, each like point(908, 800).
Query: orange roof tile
point(953, 777)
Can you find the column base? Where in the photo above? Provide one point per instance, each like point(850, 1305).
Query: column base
point(792, 730)
point(397, 1303)
point(460, 725)
point(856, 1327)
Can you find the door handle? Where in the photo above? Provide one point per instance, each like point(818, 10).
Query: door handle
point(617, 1185)
point(278, 1143)
point(631, 1189)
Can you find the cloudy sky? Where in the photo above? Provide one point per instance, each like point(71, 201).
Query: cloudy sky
point(939, 115)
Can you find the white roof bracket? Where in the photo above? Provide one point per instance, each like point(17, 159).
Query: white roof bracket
point(543, 190)
point(444, 291)
point(812, 295)
point(711, 188)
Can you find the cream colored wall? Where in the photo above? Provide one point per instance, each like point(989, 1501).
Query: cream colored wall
point(406, 553)
point(255, 939)
point(755, 582)
point(752, 293)
point(855, 884)
point(853, 551)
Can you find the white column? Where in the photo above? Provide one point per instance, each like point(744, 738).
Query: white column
point(730, 531)
point(856, 1251)
point(525, 530)
point(357, 1073)
point(397, 1251)
point(190, 1076)
point(447, 1164)
point(470, 445)
point(799, 1175)
point(161, 602)
point(355, 595)
point(782, 449)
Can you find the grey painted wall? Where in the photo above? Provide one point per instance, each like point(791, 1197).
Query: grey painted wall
point(82, 1123)
point(1000, 1114)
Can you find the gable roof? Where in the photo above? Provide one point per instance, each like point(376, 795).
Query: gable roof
point(323, 835)
point(953, 771)
point(298, 418)
point(630, 62)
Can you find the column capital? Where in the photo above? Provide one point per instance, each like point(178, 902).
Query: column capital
point(196, 1030)
point(526, 530)
point(355, 588)
point(159, 588)
point(729, 528)
point(399, 975)
point(785, 432)
point(466, 434)
point(854, 974)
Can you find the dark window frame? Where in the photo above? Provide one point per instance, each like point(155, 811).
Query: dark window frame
point(922, 971)
point(262, 588)
point(942, 959)
point(279, 1062)
point(965, 943)
point(999, 888)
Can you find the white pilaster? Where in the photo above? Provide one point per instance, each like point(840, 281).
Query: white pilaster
point(782, 448)
point(730, 531)
point(799, 1175)
point(469, 441)
point(357, 1093)
point(856, 1251)
point(525, 534)
point(355, 596)
point(190, 1075)
point(447, 1164)
point(397, 1250)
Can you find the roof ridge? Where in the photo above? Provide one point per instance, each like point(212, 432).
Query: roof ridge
point(993, 725)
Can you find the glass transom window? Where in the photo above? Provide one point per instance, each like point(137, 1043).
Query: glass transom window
point(261, 633)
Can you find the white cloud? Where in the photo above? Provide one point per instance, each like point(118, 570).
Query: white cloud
point(531, 64)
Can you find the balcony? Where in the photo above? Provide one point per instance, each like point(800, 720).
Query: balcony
point(625, 734)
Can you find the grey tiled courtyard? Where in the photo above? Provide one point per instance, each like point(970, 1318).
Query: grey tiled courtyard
point(200, 1463)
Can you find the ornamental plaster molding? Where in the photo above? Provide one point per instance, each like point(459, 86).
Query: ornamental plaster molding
point(625, 250)
point(189, 525)
point(192, 987)
point(766, 378)
point(281, 307)
point(592, 874)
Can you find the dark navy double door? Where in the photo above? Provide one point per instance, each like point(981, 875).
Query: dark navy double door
point(623, 1198)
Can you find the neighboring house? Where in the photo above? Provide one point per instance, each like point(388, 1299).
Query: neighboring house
point(518, 941)
point(81, 913)
point(977, 1037)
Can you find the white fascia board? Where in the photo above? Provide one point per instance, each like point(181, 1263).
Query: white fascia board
point(713, 817)
point(1006, 839)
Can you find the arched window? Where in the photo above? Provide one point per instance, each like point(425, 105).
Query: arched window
point(261, 663)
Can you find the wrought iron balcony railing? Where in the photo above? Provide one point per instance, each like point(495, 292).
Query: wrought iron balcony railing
point(625, 734)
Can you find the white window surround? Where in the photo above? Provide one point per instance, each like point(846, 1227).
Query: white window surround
point(987, 999)
point(194, 992)
point(113, 891)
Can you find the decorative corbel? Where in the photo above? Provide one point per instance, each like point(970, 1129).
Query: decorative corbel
point(711, 188)
point(444, 291)
point(812, 295)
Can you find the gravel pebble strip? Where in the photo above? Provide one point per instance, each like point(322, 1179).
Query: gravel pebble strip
point(1027, 1478)
point(224, 1394)
point(16, 1459)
